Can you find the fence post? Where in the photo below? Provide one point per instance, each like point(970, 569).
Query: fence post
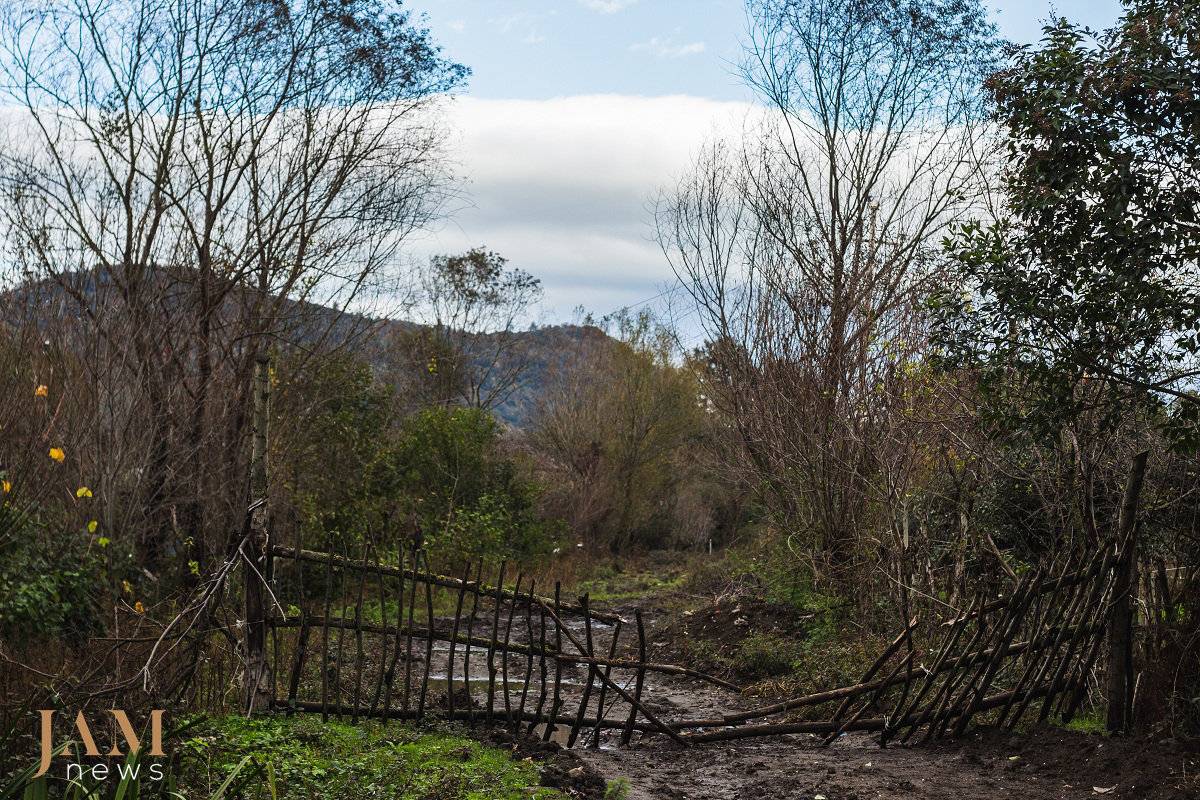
point(1120, 626)
point(254, 548)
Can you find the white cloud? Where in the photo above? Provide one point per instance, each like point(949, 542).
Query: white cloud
point(456, 25)
point(522, 22)
point(666, 48)
point(561, 188)
point(607, 6)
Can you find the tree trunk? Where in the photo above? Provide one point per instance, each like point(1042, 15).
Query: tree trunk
point(1120, 627)
point(255, 549)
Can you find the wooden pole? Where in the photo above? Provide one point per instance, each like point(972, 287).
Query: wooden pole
point(528, 660)
point(541, 703)
point(428, 640)
point(341, 646)
point(325, 642)
point(627, 733)
point(390, 678)
point(412, 611)
point(467, 649)
point(556, 698)
point(512, 610)
point(491, 662)
point(612, 654)
point(359, 653)
point(1120, 629)
point(458, 610)
point(255, 552)
point(383, 656)
point(587, 688)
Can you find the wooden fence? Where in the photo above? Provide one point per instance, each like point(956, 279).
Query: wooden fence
point(399, 641)
point(1030, 653)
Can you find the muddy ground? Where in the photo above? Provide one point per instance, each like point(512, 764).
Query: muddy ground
point(1046, 762)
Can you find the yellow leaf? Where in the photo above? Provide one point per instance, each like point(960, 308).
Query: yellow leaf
point(57, 454)
point(83, 491)
point(41, 392)
point(125, 585)
point(102, 541)
point(6, 485)
point(138, 607)
point(92, 526)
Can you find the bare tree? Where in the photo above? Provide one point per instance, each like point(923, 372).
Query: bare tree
point(806, 245)
point(186, 178)
point(613, 429)
point(476, 353)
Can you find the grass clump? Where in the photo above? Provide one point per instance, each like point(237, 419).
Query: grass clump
point(335, 760)
point(617, 582)
point(766, 655)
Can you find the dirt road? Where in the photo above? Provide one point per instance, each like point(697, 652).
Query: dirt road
point(1047, 763)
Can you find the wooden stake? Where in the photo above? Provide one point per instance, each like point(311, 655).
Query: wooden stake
point(491, 701)
point(528, 661)
point(556, 702)
point(360, 654)
point(390, 679)
point(408, 649)
point(541, 704)
point(383, 655)
point(467, 651)
point(512, 610)
point(325, 642)
point(627, 733)
point(428, 641)
point(462, 593)
point(612, 652)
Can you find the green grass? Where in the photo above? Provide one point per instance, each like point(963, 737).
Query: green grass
point(613, 583)
point(1092, 722)
point(311, 759)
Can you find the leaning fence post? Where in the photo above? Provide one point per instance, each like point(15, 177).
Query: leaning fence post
point(1120, 626)
point(254, 547)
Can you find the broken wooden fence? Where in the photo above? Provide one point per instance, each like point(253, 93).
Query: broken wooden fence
point(503, 655)
point(399, 641)
point(1029, 654)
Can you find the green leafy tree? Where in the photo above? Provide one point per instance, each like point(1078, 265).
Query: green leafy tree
point(335, 444)
point(465, 491)
point(614, 429)
point(1084, 295)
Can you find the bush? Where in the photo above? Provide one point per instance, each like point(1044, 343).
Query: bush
point(45, 590)
point(466, 491)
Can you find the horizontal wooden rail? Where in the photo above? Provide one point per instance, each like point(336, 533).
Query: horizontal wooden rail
point(512, 647)
point(524, 716)
point(830, 726)
point(818, 698)
point(445, 581)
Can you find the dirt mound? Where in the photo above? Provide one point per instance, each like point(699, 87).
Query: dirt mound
point(560, 769)
point(1108, 766)
point(729, 621)
point(744, 638)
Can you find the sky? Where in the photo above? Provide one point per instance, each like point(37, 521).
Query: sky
point(578, 112)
